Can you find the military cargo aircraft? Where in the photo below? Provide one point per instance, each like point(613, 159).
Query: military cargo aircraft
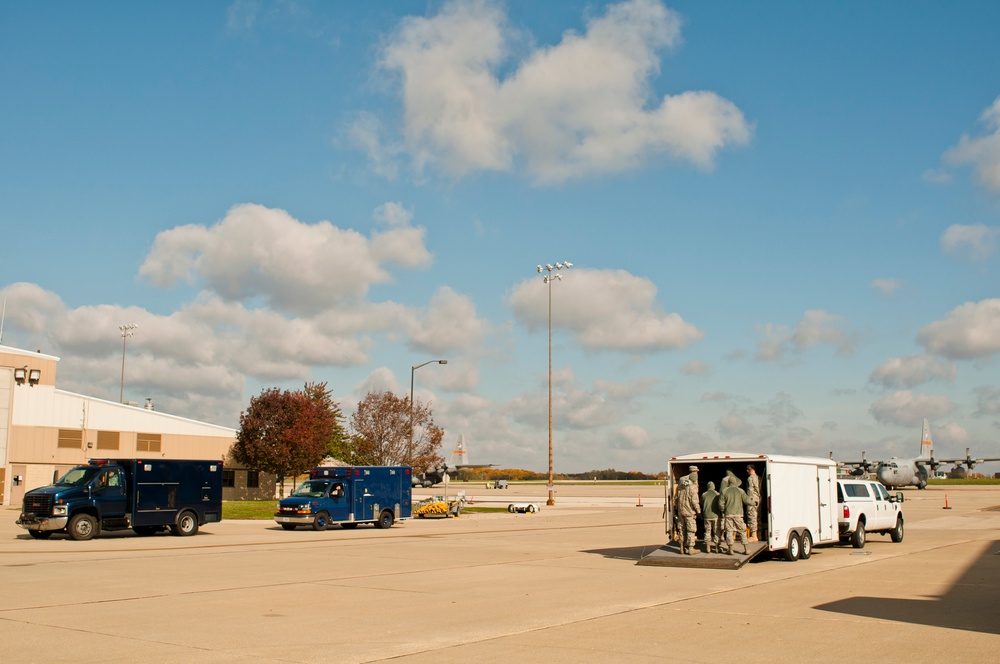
point(900, 472)
point(459, 460)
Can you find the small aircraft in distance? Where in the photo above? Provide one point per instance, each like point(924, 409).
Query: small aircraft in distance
point(459, 460)
point(899, 472)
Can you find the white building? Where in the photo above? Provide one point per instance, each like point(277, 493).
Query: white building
point(45, 431)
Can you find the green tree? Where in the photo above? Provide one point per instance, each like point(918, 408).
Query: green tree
point(287, 432)
point(380, 432)
point(330, 421)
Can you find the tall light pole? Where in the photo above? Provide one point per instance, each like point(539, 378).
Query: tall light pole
point(127, 331)
point(548, 279)
point(413, 370)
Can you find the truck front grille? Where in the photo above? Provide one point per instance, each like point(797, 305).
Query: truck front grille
point(38, 505)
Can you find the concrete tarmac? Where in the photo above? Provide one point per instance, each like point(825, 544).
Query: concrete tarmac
point(560, 585)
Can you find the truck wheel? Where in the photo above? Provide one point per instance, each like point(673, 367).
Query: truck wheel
point(187, 524)
point(83, 527)
point(859, 536)
point(321, 521)
point(897, 533)
point(385, 520)
point(288, 526)
point(40, 534)
point(510, 508)
point(807, 546)
point(531, 509)
point(794, 549)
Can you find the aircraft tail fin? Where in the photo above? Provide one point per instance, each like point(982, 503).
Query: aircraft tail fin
point(926, 445)
point(459, 455)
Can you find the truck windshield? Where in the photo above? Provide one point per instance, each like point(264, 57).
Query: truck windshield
point(79, 476)
point(311, 489)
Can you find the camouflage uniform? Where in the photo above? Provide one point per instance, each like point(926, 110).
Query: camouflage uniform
point(687, 515)
point(753, 498)
point(710, 517)
point(733, 502)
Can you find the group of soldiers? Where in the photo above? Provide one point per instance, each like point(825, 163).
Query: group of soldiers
point(722, 512)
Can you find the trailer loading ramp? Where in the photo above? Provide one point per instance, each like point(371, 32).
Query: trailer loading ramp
point(670, 555)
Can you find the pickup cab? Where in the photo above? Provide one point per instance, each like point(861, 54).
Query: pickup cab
point(866, 507)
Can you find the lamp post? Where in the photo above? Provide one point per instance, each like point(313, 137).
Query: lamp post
point(127, 331)
point(413, 370)
point(548, 279)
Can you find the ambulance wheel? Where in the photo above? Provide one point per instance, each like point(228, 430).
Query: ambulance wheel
point(794, 549)
point(321, 521)
point(83, 527)
point(288, 526)
point(807, 546)
point(348, 526)
point(40, 534)
point(859, 536)
point(897, 533)
point(531, 509)
point(510, 508)
point(187, 525)
point(385, 519)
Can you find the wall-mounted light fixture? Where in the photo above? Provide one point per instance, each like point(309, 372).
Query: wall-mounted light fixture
point(23, 374)
point(34, 376)
point(20, 374)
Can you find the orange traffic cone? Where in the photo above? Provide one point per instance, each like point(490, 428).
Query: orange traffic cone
point(946, 506)
point(639, 503)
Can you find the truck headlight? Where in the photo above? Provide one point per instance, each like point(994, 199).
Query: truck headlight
point(305, 509)
point(59, 510)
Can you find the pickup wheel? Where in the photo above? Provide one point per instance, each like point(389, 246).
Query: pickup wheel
point(83, 527)
point(794, 549)
point(288, 526)
point(40, 534)
point(807, 546)
point(321, 521)
point(897, 533)
point(385, 519)
point(186, 525)
point(859, 537)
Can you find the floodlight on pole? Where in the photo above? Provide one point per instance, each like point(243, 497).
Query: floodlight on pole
point(413, 370)
point(548, 279)
point(127, 331)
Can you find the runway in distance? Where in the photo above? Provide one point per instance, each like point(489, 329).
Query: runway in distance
point(915, 471)
point(459, 460)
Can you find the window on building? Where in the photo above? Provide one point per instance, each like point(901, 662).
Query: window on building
point(71, 438)
point(108, 440)
point(228, 478)
point(253, 479)
point(148, 442)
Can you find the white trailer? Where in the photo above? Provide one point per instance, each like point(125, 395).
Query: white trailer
point(798, 506)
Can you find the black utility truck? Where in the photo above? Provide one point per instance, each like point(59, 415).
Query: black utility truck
point(145, 495)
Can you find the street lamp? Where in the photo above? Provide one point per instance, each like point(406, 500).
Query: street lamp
point(548, 279)
point(413, 370)
point(127, 331)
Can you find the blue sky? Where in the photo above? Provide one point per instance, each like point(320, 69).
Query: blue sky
point(783, 218)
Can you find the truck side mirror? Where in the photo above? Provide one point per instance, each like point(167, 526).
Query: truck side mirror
point(899, 496)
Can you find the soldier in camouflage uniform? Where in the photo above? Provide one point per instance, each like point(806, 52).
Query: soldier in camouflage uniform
point(733, 502)
point(710, 517)
point(753, 498)
point(688, 510)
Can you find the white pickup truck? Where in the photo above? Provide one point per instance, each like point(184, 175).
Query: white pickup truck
point(866, 507)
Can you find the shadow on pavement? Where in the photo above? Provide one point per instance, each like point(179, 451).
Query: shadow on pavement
point(970, 604)
point(626, 553)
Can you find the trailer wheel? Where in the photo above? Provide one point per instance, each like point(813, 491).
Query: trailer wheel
point(794, 549)
point(859, 536)
point(321, 521)
point(385, 519)
point(187, 524)
point(83, 527)
point(288, 526)
point(807, 546)
point(897, 533)
point(40, 534)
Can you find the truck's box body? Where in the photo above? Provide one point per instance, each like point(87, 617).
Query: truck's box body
point(798, 494)
point(349, 495)
point(165, 487)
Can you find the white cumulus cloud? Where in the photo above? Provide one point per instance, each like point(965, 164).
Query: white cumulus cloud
point(815, 327)
point(579, 107)
point(983, 152)
point(908, 409)
point(978, 242)
point(971, 330)
point(911, 371)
